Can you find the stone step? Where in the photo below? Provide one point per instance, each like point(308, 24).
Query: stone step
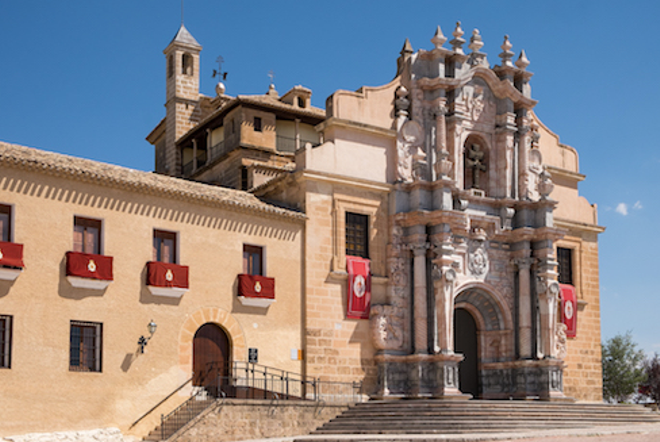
point(454, 417)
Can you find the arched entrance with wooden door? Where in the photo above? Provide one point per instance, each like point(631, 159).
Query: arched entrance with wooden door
point(482, 330)
point(211, 358)
point(465, 343)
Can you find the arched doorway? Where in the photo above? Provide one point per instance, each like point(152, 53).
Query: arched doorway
point(210, 357)
point(465, 343)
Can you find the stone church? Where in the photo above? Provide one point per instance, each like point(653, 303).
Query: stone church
point(424, 238)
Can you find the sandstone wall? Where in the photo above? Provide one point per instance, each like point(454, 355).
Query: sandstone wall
point(236, 420)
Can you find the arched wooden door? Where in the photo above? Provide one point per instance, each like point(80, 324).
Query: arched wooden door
point(465, 342)
point(210, 357)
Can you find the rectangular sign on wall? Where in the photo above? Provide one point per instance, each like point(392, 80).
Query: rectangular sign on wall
point(253, 355)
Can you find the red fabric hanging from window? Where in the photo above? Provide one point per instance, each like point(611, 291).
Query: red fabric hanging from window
point(359, 288)
point(88, 265)
point(163, 274)
point(256, 286)
point(11, 254)
point(569, 309)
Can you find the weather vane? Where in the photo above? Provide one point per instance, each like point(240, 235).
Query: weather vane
point(219, 72)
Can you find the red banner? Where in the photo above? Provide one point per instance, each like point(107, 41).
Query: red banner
point(359, 288)
point(256, 286)
point(164, 274)
point(569, 309)
point(88, 265)
point(11, 254)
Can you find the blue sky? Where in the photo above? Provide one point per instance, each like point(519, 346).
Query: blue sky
point(87, 78)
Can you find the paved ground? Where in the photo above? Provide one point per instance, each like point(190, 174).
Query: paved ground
point(637, 433)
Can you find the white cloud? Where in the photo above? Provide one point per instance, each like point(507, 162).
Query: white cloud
point(638, 205)
point(622, 208)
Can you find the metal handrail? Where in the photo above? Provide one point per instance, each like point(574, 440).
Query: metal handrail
point(160, 403)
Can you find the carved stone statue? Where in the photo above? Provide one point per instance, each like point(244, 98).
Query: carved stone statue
point(475, 160)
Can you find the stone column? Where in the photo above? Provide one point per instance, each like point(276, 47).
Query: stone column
point(443, 165)
point(443, 288)
point(523, 152)
point(443, 282)
point(297, 136)
point(524, 308)
point(548, 296)
point(420, 318)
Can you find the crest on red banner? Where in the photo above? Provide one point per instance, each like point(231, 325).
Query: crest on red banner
point(359, 288)
point(569, 309)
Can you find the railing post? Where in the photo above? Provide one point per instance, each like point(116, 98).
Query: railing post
point(162, 426)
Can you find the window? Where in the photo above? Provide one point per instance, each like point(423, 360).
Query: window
point(252, 260)
point(164, 246)
point(186, 64)
point(5, 223)
point(85, 351)
point(86, 235)
point(301, 102)
point(5, 341)
point(244, 178)
point(357, 238)
point(257, 124)
point(170, 66)
point(565, 259)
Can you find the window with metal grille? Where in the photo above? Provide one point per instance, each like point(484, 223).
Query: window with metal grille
point(5, 223)
point(164, 247)
point(5, 341)
point(565, 259)
point(85, 349)
point(357, 235)
point(252, 260)
point(257, 124)
point(86, 235)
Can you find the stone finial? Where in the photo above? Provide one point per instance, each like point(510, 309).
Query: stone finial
point(220, 88)
point(506, 54)
point(457, 43)
point(475, 41)
point(272, 92)
point(407, 48)
point(522, 61)
point(438, 39)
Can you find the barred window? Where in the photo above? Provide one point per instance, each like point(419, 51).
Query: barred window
point(357, 235)
point(257, 124)
point(85, 350)
point(5, 341)
point(565, 259)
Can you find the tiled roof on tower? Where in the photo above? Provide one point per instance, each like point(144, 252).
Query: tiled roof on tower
point(183, 36)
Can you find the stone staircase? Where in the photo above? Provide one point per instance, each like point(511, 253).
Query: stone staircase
point(176, 420)
point(460, 417)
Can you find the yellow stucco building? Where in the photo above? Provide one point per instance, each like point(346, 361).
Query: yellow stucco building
point(122, 291)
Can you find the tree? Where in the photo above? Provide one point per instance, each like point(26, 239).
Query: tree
point(622, 368)
point(651, 386)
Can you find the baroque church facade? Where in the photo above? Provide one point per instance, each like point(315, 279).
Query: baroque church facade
point(424, 238)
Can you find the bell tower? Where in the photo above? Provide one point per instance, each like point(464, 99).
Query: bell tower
point(182, 96)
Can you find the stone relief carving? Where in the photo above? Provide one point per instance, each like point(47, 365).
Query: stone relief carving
point(560, 340)
point(545, 185)
point(478, 102)
point(386, 328)
point(410, 152)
